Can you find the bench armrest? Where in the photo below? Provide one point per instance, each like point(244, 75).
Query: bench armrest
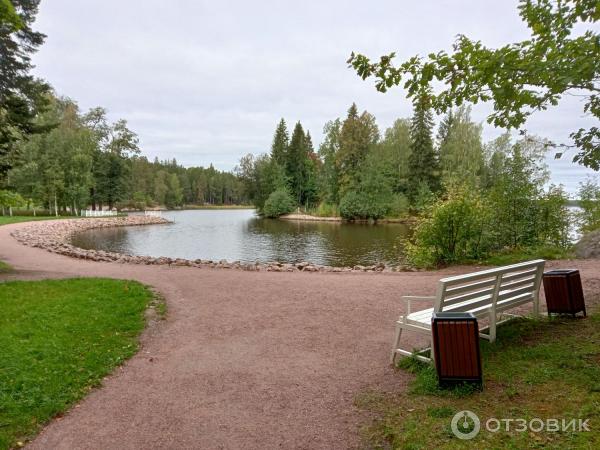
point(408, 298)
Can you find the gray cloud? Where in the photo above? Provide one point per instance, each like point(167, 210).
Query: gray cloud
point(207, 81)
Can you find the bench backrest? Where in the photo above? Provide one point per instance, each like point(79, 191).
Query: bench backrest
point(486, 289)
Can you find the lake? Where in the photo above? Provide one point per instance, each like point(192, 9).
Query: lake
point(240, 235)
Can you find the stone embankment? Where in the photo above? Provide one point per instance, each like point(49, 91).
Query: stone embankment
point(55, 236)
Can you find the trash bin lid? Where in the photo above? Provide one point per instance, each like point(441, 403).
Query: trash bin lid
point(456, 315)
point(560, 272)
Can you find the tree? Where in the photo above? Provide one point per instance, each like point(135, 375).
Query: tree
point(422, 162)
point(174, 194)
point(281, 141)
point(111, 165)
point(516, 193)
point(22, 96)
point(260, 177)
point(461, 150)
point(329, 174)
point(394, 151)
point(9, 18)
point(358, 135)
point(589, 197)
point(519, 78)
point(299, 167)
point(18, 42)
point(10, 200)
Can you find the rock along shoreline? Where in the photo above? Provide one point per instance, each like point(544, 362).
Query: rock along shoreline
point(55, 236)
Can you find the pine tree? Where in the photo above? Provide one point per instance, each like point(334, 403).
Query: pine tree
point(281, 142)
point(423, 164)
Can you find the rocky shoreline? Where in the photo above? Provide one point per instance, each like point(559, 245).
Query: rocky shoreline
point(55, 236)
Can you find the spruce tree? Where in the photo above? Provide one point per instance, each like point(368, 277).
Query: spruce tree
point(281, 141)
point(358, 134)
point(422, 163)
point(295, 162)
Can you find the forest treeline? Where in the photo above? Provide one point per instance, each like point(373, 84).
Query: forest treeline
point(360, 172)
point(472, 198)
point(84, 161)
point(56, 157)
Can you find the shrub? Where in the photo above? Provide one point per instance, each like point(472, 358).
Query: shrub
point(451, 230)
point(358, 205)
point(326, 210)
point(278, 203)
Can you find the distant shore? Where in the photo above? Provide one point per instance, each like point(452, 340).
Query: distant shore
point(216, 207)
point(309, 218)
point(189, 207)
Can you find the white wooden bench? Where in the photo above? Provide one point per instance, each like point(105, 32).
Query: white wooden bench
point(485, 294)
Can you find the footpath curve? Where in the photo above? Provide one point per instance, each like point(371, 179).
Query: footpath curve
point(244, 359)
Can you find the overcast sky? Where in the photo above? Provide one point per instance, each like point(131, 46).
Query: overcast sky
point(206, 82)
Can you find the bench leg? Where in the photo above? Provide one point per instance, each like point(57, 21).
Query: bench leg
point(536, 307)
point(493, 326)
point(396, 343)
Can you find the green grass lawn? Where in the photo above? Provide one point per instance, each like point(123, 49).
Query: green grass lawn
point(58, 339)
point(537, 369)
point(5, 220)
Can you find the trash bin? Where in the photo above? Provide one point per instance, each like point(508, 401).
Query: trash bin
point(564, 294)
point(456, 348)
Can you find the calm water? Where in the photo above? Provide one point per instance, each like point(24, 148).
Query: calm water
point(241, 235)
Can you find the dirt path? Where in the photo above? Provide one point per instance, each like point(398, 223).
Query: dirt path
point(251, 360)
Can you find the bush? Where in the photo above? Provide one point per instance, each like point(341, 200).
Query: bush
point(326, 210)
point(399, 206)
point(278, 203)
point(451, 230)
point(358, 205)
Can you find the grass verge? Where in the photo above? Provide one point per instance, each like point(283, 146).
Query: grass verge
point(5, 267)
point(58, 339)
point(5, 220)
point(527, 254)
point(536, 369)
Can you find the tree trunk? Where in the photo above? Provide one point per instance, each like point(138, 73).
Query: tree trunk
point(93, 198)
point(55, 205)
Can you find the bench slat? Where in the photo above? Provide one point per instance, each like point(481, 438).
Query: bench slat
point(516, 284)
point(470, 286)
point(518, 275)
point(504, 295)
point(469, 296)
point(492, 272)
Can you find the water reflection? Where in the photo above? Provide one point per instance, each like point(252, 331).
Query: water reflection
point(241, 235)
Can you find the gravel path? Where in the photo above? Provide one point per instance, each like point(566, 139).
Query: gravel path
point(252, 360)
